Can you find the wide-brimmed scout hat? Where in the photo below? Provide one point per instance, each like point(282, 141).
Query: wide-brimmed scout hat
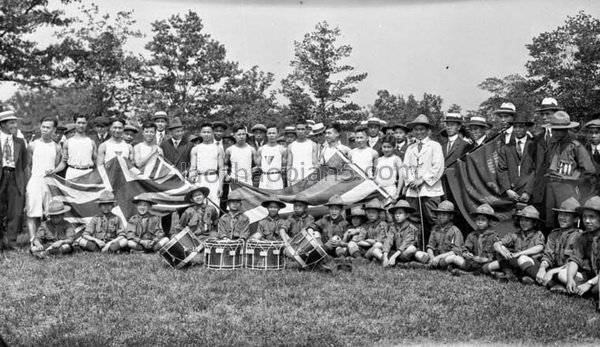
point(357, 211)
point(593, 124)
point(234, 196)
point(160, 115)
point(335, 200)
point(56, 207)
point(506, 108)
point(205, 191)
point(485, 210)
point(549, 104)
point(561, 120)
point(272, 199)
point(453, 117)
point(402, 204)
point(101, 121)
point(27, 126)
point(290, 129)
point(592, 204)
point(420, 120)
point(528, 212)
point(175, 123)
point(130, 127)
point(374, 204)
point(220, 124)
point(479, 121)
point(7, 115)
point(522, 119)
point(300, 197)
point(568, 206)
point(445, 207)
point(401, 126)
point(260, 127)
point(106, 197)
point(143, 197)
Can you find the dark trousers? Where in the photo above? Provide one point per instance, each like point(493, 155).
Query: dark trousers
point(428, 204)
point(556, 193)
point(513, 265)
point(11, 206)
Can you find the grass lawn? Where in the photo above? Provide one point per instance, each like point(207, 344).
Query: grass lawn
point(136, 300)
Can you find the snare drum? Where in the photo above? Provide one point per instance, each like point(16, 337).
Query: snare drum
point(306, 248)
point(265, 255)
point(181, 249)
point(224, 255)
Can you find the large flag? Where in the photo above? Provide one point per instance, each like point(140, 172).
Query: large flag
point(337, 176)
point(159, 178)
point(473, 181)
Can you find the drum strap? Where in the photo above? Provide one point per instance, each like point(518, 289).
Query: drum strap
point(189, 257)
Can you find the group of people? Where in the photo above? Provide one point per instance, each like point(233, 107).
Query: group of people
point(543, 170)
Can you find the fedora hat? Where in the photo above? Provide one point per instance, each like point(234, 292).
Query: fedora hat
point(175, 123)
point(143, 197)
point(528, 212)
point(106, 197)
point(335, 200)
point(561, 120)
point(401, 126)
point(101, 121)
point(453, 117)
point(193, 138)
point(549, 104)
point(593, 204)
point(61, 127)
point(27, 126)
point(445, 206)
point(129, 127)
point(507, 108)
point(160, 115)
point(479, 121)
point(402, 204)
point(569, 206)
point(270, 200)
point(522, 119)
point(290, 129)
point(374, 204)
point(593, 124)
point(260, 127)
point(7, 115)
point(420, 120)
point(300, 197)
point(220, 124)
point(56, 207)
point(485, 210)
point(205, 191)
point(357, 211)
point(235, 196)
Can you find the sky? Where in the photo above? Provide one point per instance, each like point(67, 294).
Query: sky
point(444, 47)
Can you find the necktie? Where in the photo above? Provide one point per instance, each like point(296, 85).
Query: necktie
point(103, 228)
point(419, 146)
point(520, 149)
point(160, 137)
point(596, 155)
point(450, 143)
point(176, 143)
point(7, 151)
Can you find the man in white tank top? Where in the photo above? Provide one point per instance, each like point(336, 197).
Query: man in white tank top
point(79, 151)
point(363, 155)
point(239, 157)
point(272, 158)
point(147, 149)
point(114, 146)
point(206, 165)
point(302, 155)
point(44, 156)
point(332, 136)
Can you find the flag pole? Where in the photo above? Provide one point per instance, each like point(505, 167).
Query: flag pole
point(362, 174)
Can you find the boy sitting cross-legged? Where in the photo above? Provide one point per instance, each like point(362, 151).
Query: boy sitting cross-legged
point(105, 232)
point(445, 239)
point(478, 250)
point(54, 236)
point(402, 236)
point(355, 233)
point(144, 230)
point(376, 230)
point(234, 224)
point(201, 218)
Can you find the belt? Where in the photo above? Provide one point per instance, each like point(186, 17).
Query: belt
point(81, 167)
point(6, 168)
point(206, 173)
point(271, 172)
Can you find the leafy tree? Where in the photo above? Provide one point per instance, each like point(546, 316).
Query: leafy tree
point(21, 59)
point(187, 68)
point(397, 109)
point(320, 82)
point(454, 108)
point(512, 88)
point(565, 63)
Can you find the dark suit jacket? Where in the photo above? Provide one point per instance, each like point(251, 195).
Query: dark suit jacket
point(402, 151)
point(459, 148)
point(96, 139)
point(180, 156)
point(20, 154)
point(252, 142)
point(377, 146)
point(508, 167)
point(588, 189)
point(540, 165)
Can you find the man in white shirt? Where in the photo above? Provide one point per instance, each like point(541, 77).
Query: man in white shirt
point(161, 120)
point(424, 161)
point(374, 128)
point(332, 136)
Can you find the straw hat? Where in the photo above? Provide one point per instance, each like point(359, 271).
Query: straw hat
point(318, 129)
point(205, 191)
point(160, 115)
point(549, 104)
point(528, 212)
point(374, 204)
point(402, 204)
point(290, 129)
point(568, 206)
point(272, 199)
point(506, 108)
point(335, 200)
point(7, 115)
point(561, 120)
point(374, 121)
point(479, 121)
point(420, 120)
point(56, 207)
point(453, 117)
point(445, 206)
point(522, 119)
point(106, 197)
point(485, 210)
